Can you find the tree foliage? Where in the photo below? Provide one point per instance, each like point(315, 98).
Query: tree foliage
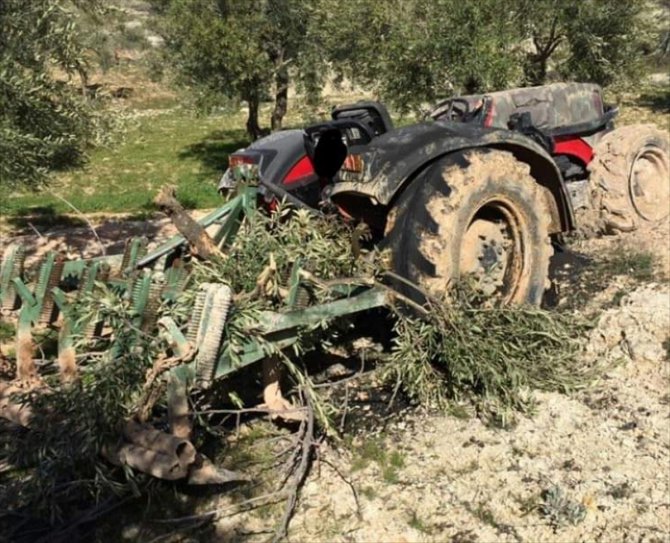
point(592, 40)
point(44, 124)
point(414, 51)
point(242, 48)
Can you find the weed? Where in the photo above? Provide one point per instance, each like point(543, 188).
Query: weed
point(418, 524)
point(370, 451)
point(636, 264)
point(375, 451)
point(527, 504)
point(397, 459)
point(459, 411)
point(471, 467)
point(369, 492)
point(464, 536)
point(390, 474)
point(621, 491)
point(517, 451)
point(485, 514)
point(559, 509)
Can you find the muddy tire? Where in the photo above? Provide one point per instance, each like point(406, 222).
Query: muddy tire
point(477, 215)
point(630, 180)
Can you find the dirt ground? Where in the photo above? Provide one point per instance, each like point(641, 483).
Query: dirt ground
point(591, 466)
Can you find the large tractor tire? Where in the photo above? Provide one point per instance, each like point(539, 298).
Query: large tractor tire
point(477, 215)
point(630, 179)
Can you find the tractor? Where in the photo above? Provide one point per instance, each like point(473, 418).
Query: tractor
point(482, 187)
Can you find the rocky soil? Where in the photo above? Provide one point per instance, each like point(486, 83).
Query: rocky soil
point(591, 466)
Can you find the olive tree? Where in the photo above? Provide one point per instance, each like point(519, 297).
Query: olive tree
point(45, 122)
point(588, 40)
point(242, 48)
point(414, 51)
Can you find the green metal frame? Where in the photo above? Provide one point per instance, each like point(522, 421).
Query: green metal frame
point(149, 279)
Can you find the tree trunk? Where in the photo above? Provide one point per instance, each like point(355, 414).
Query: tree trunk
point(253, 128)
point(535, 69)
point(281, 95)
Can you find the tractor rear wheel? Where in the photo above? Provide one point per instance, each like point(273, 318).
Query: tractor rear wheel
point(477, 216)
point(630, 178)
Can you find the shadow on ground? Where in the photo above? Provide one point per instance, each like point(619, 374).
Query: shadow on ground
point(213, 150)
point(32, 218)
point(658, 102)
point(41, 233)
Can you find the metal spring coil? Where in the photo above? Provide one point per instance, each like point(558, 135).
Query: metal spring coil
point(210, 332)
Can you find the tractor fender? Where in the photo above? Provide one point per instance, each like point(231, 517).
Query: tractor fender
point(393, 160)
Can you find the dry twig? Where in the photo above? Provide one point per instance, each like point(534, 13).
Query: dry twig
point(103, 251)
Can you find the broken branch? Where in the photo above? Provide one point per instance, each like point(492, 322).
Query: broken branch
point(202, 245)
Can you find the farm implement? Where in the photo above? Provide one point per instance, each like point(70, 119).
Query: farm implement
point(195, 352)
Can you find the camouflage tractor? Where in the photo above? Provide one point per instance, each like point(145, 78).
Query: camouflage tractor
point(482, 187)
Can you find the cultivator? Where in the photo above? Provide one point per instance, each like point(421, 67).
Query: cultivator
point(194, 359)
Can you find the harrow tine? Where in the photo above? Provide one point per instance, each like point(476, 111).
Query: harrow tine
point(26, 370)
point(179, 417)
point(67, 357)
point(11, 266)
point(135, 249)
point(97, 271)
point(49, 310)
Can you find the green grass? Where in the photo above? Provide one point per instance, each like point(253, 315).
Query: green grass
point(637, 264)
point(418, 524)
point(173, 147)
point(389, 462)
point(646, 103)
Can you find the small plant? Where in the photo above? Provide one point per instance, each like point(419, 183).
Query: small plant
point(471, 467)
point(397, 459)
point(418, 524)
point(369, 492)
point(621, 491)
point(374, 451)
point(484, 514)
point(637, 264)
point(559, 509)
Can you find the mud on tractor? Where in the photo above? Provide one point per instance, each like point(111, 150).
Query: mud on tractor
point(478, 190)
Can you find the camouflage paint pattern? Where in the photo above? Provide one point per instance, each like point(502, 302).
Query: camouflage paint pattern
point(550, 106)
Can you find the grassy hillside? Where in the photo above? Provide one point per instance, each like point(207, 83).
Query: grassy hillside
point(172, 146)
